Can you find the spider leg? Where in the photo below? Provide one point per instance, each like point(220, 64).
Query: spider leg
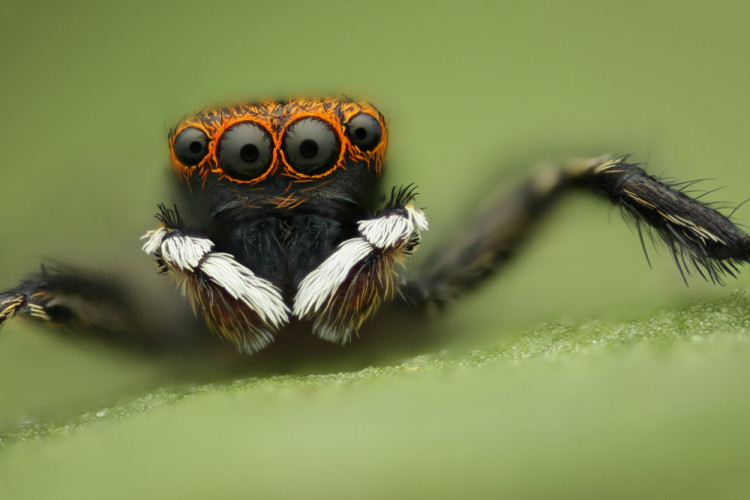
point(699, 237)
point(82, 302)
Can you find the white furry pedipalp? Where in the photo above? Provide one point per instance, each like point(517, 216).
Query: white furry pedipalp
point(378, 237)
point(177, 249)
point(185, 252)
point(191, 254)
point(393, 230)
point(153, 238)
point(418, 218)
point(258, 294)
point(322, 283)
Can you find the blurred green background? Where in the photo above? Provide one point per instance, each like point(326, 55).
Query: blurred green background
point(474, 92)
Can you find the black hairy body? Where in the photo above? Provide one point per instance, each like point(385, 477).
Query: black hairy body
point(283, 246)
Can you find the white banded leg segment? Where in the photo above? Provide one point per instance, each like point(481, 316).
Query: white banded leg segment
point(10, 303)
point(236, 304)
point(352, 283)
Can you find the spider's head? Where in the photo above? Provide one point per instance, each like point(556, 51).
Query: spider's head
point(281, 153)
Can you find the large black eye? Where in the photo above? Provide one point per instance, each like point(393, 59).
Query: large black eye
point(311, 146)
point(191, 146)
point(245, 150)
point(364, 131)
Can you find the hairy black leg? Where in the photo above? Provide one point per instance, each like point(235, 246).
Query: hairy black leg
point(698, 236)
point(77, 301)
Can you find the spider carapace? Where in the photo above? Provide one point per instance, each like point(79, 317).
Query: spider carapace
point(280, 217)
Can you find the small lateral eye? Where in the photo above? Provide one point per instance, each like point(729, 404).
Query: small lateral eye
point(245, 150)
point(311, 146)
point(364, 131)
point(191, 146)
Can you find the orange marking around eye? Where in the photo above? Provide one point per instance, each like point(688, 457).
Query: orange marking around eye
point(276, 117)
point(340, 136)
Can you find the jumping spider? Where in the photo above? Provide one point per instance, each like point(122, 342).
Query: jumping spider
point(278, 221)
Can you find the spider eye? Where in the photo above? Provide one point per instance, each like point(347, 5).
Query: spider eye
point(190, 146)
point(364, 131)
point(245, 150)
point(311, 146)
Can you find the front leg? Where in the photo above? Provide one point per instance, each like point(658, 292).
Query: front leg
point(237, 305)
point(77, 301)
point(352, 283)
point(697, 236)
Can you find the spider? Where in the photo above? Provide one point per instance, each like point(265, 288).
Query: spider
point(279, 218)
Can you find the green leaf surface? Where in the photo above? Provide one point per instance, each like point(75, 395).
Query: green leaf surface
point(653, 408)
